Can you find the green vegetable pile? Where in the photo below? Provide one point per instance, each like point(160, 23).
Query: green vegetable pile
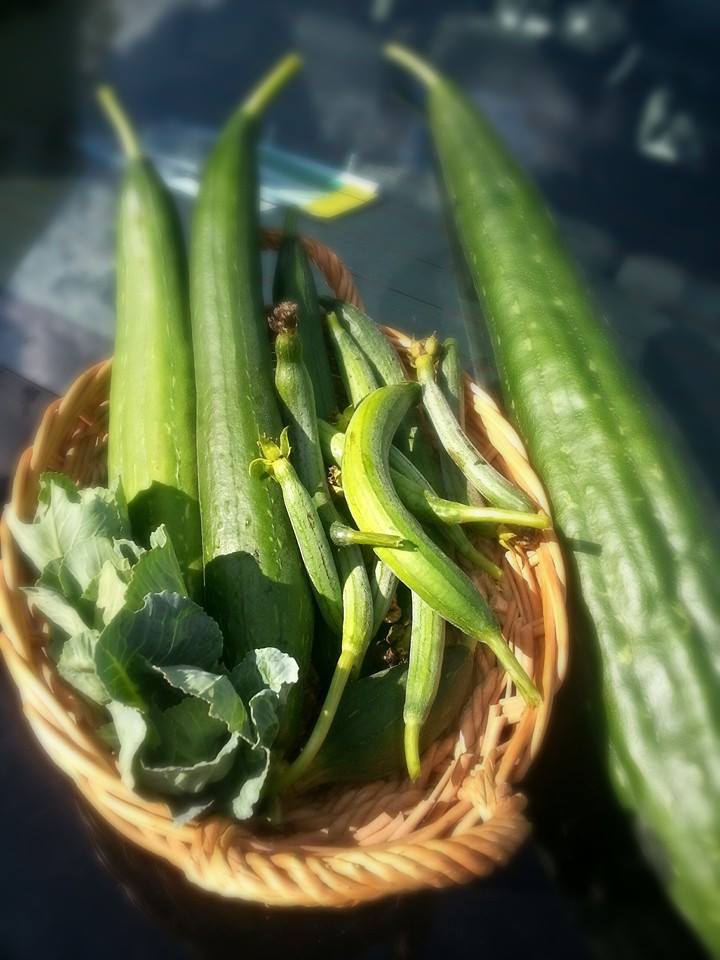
point(223, 602)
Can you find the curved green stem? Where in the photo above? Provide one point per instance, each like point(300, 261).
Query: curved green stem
point(344, 536)
point(120, 122)
point(269, 87)
point(322, 727)
point(427, 74)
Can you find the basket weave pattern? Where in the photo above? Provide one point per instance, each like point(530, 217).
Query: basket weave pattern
point(345, 845)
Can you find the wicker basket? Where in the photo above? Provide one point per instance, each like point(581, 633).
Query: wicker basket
point(344, 845)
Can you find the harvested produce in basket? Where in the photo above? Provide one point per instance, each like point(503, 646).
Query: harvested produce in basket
point(151, 436)
point(293, 282)
point(204, 708)
point(425, 570)
point(645, 560)
point(255, 586)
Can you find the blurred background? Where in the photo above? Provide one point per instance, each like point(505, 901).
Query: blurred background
point(612, 106)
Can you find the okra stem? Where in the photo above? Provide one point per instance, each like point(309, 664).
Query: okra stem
point(344, 536)
point(430, 507)
point(323, 723)
point(406, 58)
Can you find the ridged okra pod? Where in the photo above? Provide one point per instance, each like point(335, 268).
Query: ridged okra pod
point(426, 570)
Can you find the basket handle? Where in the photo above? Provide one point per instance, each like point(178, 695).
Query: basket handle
point(336, 274)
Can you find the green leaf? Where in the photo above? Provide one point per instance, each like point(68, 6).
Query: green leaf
point(193, 751)
point(156, 570)
point(131, 729)
point(56, 609)
point(252, 767)
point(110, 586)
point(180, 780)
point(169, 630)
point(66, 516)
point(128, 549)
point(263, 679)
point(185, 812)
point(83, 563)
point(264, 710)
point(214, 689)
point(50, 577)
point(76, 664)
point(186, 734)
point(265, 668)
point(50, 479)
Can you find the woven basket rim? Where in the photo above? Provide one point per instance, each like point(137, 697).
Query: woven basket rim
point(355, 844)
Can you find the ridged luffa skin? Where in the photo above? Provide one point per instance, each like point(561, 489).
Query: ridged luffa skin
point(255, 586)
point(646, 560)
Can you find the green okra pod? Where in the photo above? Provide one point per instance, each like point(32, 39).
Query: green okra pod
point(449, 378)
point(311, 539)
point(427, 644)
point(294, 282)
point(426, 570)
point(355, 372)
point(359, 379)
point(484, 477)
